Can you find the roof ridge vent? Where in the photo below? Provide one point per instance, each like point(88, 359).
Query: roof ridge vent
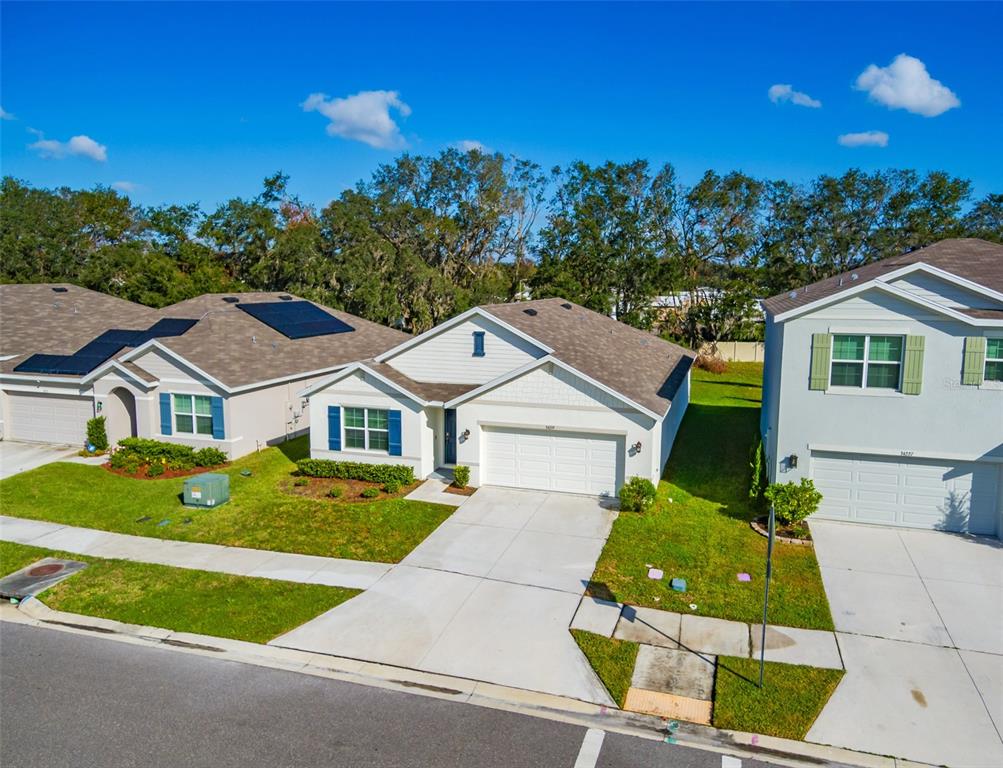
point(286, 297)
point(230, 299)
point(530, 311)
point(59, 288)
point(793, 294)
point(565, 305)
point(854, 276)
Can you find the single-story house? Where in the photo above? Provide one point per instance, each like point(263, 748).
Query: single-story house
point(884, 385)
point(540, 394)
point(221, 370)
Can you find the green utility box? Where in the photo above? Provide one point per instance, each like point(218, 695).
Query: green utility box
point(208, 490)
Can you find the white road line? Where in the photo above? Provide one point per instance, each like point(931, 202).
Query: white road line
point(588, 755)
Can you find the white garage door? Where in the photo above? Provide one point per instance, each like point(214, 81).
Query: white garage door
point(913, 493)
point(572, 462)
point(49, 418)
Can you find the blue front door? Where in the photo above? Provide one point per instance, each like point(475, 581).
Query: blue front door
point(449, 435)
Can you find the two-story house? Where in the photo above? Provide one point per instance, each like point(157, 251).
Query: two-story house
point(538, 394)
point(885, 385)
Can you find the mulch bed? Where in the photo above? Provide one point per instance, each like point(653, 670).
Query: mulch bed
point(168, 474)
point(468, 491)
point(351, 490)
point(785, 534)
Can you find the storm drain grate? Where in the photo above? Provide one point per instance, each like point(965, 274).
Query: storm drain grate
point(38, 577)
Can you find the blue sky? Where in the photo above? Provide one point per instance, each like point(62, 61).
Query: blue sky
point(198, 102)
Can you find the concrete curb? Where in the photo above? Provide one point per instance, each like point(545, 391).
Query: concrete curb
point(798, 754)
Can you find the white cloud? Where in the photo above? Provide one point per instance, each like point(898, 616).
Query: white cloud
point(468, 145)
point(905, 84)
point(84, 146)
point(363, 117)
point(785, 92)
point(125, 186)
point(5, 115)
point(864, 139)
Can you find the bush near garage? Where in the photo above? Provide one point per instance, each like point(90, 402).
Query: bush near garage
point(794, 502)
point(356, 470)
point(637, 495)
point(97, 435)
point(461, 476)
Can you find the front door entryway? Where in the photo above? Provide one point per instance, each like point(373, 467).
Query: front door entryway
point(449, 436)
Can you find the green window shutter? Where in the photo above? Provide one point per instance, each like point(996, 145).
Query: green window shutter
point(975, 360)
point(821, 352)
point(912, 373)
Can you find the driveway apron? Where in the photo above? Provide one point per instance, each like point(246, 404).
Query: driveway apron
point(488, 596)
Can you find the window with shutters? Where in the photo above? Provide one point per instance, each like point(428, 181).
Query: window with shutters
point(872, 362)
point(994, 360)
point(367, 429)
point(193, 414)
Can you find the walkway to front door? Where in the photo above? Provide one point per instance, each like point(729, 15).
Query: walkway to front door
point(488, 596)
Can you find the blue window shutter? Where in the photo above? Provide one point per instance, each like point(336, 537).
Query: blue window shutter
point(478, 343)
point(165, 413)
point(394, 433)
point(334, 427)
point(216, 409)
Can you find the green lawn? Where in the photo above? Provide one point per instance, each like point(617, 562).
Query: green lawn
point(791, 698)
point(238, 607)
point(613, 661)
point(259, 514)
point(702, 535)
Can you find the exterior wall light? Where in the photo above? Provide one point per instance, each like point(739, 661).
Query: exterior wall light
point(466, 434)
point(792, 461)
point(637, 447)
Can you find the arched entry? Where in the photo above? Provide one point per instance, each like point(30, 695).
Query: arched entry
point(120, 415)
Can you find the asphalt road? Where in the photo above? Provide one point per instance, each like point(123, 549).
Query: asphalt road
point(73, 700)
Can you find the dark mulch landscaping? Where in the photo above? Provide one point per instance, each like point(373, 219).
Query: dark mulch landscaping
point(351, 490)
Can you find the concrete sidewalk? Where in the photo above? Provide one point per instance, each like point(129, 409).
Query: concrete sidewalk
point(240, 561)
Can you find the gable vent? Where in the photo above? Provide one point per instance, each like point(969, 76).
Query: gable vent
point(230, 299)
point(530, 312)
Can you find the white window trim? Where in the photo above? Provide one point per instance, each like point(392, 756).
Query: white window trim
point(845, 389)
point(365, 430)
point(194, 433)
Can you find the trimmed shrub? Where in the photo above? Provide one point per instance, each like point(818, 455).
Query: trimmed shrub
point(757, 467)
point(794, 502)
point(301, 481)
point(210, 457)
point(391, 486)
point(637, 495)
point(336, 492)
point(356, 470)
point(370, 493)
point(96, 433)
point(711, 363)
point(156, 469)
point(461, 476)
point(125, 461)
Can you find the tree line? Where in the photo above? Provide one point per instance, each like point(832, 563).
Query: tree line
point(427, 237)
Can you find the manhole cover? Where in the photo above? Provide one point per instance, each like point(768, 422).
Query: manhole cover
point(38, 577)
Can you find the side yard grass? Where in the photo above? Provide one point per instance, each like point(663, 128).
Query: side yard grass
point(789, 702)
point(698, 529)
point(236, 607)
point(260, 513)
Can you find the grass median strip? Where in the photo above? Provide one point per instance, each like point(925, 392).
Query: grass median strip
point(613, 661)
point(221, 605)
point(699, 529)
point(260, 514)
point(789, 702)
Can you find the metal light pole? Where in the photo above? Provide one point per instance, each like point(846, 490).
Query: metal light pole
point(766, 595)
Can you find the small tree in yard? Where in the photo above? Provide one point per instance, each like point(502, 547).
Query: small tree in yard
point(794, 502)
point(96, 433)
point(461, 476)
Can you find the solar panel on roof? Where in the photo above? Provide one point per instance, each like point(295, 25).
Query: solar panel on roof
point(105, 346)
point(295, 319)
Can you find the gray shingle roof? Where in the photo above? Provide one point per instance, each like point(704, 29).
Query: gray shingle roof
point(639, 365)
point(977, 260)
point(426, 390)
point(228, 344)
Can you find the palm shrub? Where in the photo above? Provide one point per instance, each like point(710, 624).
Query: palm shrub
point(97, 435)
point(637, 495)
point(794, 502)
point(461, 475)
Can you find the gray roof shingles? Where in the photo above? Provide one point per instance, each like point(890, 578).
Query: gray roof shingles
point(977, 260)
point(228, 344)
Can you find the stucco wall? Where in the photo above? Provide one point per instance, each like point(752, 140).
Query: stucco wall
point(947, 420)
point(362, 390)
point(672, 421)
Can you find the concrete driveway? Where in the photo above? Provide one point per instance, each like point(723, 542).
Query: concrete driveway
point(488, 596)
point(919, 621)
point(16, 457)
